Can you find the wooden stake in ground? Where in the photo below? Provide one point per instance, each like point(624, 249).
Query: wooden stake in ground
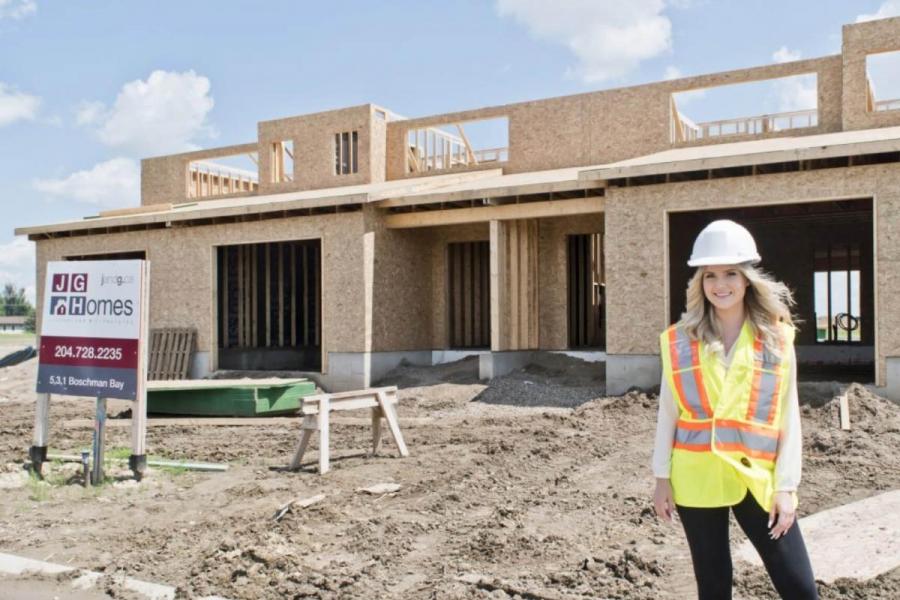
point(845, 412)
point(137, 462)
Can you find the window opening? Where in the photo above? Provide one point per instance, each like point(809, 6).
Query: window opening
point(773, 105)
point(222, 176)
point(837, 294)
point(283, 161)
point(882, 83)
point(346, 153)
point(456, 145)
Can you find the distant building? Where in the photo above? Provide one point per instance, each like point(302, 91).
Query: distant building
point(12, 324)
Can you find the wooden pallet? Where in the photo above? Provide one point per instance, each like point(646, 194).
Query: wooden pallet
point(170, 353)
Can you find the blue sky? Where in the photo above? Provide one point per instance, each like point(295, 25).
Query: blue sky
point(87, 88)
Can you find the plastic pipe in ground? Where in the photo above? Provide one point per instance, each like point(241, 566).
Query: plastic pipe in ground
point(191, 466)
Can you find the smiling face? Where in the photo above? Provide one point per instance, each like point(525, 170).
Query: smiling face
point(724, 286)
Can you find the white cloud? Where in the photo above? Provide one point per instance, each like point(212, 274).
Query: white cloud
point(672, 72)
point(166, 113)
point(115, 183)
point(16, 105)
point(17, 265)
point(608, 37)
point(89, 113)
point(796, 93)
point(17, 9)
point(890, 8)
point(785, 54)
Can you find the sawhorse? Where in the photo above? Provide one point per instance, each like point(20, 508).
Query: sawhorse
point(317, 408)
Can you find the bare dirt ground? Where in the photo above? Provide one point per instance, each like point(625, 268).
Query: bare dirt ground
point(535, 487)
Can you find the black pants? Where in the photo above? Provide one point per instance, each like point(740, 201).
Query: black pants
point(785, 559)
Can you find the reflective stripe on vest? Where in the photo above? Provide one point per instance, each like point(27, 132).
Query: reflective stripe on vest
point(766, 384)
point(685, 356)
point(730, 436)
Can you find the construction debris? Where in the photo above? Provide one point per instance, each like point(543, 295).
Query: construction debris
point(381, 488)
point(299, 503)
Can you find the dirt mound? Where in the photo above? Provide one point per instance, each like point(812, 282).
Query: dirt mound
point(755, 584)
point(875, 425)
point(406, 375)
point(848, 464)
point(553, 380)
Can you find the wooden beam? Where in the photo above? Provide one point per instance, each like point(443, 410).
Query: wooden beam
point(497, 278)
point(224, 291)
point(507, 212)
point(513, 273)
point(469, 152)
point(136, 210)
point(268, 257)
point(281, 273)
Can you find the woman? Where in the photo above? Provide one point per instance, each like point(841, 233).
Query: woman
point(728, 431)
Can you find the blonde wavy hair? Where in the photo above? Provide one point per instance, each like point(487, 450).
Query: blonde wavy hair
point(767, 303)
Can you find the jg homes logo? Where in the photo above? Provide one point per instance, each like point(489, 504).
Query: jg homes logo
point(81, 305)
point(70, 282)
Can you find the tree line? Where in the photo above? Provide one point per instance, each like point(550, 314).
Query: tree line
point(13, 303)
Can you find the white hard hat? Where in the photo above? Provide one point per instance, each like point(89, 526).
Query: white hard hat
point(723, 242)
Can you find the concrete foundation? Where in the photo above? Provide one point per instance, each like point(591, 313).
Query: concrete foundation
point(199, 366)
point(381, 363)
point(496, 364)
point(892, 379)
point(626, 371)
point(358, 370)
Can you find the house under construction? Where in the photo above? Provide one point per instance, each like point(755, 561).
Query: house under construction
point(355, 238)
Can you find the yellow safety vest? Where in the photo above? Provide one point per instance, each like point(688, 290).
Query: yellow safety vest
point(726, 438)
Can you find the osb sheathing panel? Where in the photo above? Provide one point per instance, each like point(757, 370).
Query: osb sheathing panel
point(552, 281)
point(636, 244)
point(612, 125)
point(164, 178)
point(314, 151)
point(182, 292)
point(378, 147)
point(402, 287)
point(860, 40)
point(438, 238)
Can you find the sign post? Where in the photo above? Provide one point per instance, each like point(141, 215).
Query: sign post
point(93, 343)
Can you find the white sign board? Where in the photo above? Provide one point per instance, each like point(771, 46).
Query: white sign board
point(91, 328)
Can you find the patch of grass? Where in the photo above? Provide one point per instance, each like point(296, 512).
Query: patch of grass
point(38, 490)
point(118, 452)
point(16, 339)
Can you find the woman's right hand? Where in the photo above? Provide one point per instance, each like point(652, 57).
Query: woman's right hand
point(662, 500)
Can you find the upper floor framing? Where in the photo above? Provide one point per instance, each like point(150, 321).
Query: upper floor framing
point(370, 144)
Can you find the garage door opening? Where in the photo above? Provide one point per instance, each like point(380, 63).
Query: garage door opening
point(269, 306)
point(824, 252)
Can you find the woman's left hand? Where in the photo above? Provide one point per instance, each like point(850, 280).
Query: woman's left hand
point(782, 514)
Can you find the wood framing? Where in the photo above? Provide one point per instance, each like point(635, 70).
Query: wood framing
point(531, 210)
point(514, 285)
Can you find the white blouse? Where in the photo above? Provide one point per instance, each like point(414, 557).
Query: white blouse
point(790, 444)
